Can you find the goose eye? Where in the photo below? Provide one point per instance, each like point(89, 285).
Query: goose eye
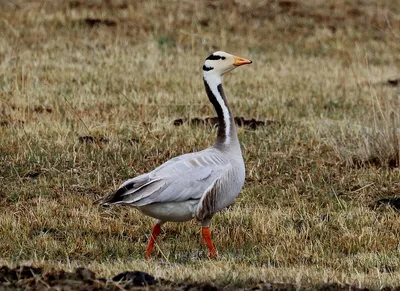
point(223, 58)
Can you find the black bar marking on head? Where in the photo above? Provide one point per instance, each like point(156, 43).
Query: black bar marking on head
point(215, 57)
point(205, 68)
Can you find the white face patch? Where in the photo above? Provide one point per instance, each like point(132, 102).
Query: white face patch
point(218, 63)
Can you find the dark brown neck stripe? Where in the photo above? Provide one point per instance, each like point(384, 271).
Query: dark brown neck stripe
point(221, 136)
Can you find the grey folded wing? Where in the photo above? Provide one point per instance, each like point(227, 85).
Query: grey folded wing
point(183, 178)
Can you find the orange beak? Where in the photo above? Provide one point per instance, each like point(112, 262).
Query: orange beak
point(240, 61)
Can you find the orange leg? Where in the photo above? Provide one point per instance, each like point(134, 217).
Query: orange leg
point(205, 231)
point(156, 231)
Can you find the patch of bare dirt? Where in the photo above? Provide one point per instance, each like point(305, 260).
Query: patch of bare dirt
point(394, 82)
point(92, 22)
point(32, 278)
point(252, 123)
point(393, 202)
point(92, 139)
point(23, 278)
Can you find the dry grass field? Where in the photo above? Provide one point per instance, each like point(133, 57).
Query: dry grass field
point(122, 71)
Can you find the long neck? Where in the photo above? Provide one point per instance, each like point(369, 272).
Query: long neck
point(227, 136)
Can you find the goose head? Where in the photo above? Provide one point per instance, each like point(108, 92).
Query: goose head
point(220, 63)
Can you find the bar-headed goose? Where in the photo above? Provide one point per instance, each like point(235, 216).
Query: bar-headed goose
point(195, 185)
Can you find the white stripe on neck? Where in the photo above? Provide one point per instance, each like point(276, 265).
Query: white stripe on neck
point(213, 81)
